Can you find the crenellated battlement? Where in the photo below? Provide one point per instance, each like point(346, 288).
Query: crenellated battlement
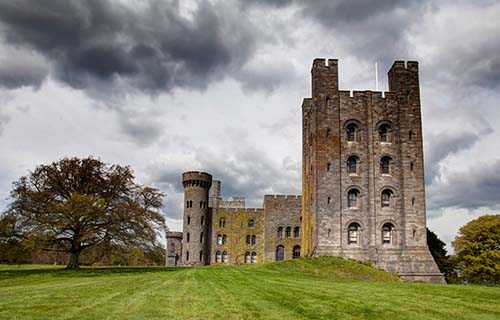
point(197, 179)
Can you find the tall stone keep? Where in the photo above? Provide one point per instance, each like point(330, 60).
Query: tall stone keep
point(363, 177)
point(196, 218)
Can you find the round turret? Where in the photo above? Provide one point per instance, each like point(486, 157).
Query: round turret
point(196, 217)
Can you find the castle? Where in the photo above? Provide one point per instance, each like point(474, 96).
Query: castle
point(363, 191)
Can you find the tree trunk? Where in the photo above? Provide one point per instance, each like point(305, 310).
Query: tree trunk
point(74, 260)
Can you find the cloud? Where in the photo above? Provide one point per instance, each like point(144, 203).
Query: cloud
point(154, 47)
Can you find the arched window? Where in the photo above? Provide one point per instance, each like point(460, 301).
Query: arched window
point(254, 239)
point(351, 132)
point(386, 198)
point(187, 237)
point(353, 233)
point(248, 239)
point(296, 252)
point(352, 165)
point(247, 257)
point(189, 220)
point(288, 232)
point(280, 232)
point(222, 223)
point(385, 164)
point(217, 256)
point(280, 253)
point(224, 239)
point(385, 131)
point(387, 233)
point(352, 198)
point(219, 239)
point(224, 256)
point(296, 232)
point(201, 237)
point(251, 223)
point(201, 255)
point(254, 257)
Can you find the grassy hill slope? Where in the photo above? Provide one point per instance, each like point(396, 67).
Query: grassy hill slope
point(315, 288)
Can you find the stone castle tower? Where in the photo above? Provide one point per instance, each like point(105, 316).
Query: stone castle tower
point(363, 173)
point(196, 216)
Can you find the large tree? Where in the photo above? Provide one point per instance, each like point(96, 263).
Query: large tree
point(73, 204)
point(477, 249)
point(445, 262)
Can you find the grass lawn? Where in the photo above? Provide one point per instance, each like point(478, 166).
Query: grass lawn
point(314, 288)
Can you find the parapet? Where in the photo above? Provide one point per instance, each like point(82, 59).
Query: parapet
point(173, 234)
point(197, 179)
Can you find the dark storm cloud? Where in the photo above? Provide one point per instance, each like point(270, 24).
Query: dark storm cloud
point(472, 189)
point(153, 47)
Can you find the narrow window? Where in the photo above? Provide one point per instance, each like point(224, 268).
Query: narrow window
point(247, 257)
point(254, 257)
point(189, 220)
point(328, 132)
point(410, 135)
point(296, 232)
point(328, 201)
point(296, 252)
point(288, 232)
point(386, 198)
point(412, 201)
point(387, 233)
point(280, 232)
point(411, 166)
point(254, 239)
point(217, 256)
point(353, 236)
point(352, 198)
point(201, 237)
point(248, 239)
point(201, 204)
point(280, 253)
point(219, 239)
point(224, 239)
point(328, 165)
point(351, 132)
point(187, 204)
point(202, 219)
point(187, 255)
point(187, 237)
point(224, 256)
point(329, 231)
point(251, 223)
point(352, 164)
point(201, 255)
point(385, 163)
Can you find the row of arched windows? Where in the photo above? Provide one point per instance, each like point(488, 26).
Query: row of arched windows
point(251, 239)
point(280, 252)
point(250, 257)
point(353, 165)
point(354, 233)
point(353, 132)
point(221, 239)
point(222, 223)
point(288, 232)
point(221, 257)
point(385, 198)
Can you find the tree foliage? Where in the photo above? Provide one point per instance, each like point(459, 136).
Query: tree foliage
point(74, 204)
point(477, 249)
point(445, 262)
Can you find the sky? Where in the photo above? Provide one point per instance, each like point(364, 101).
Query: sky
point(217, 86)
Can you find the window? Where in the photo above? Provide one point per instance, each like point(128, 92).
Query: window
point(288, 232)
point(201, 255)
point(248, 239)
point(411, 166)
point(328, 165)
point(387, 233)
point(328, 132)
point(202, 219)
point(296, 252)
point(352, 198)
point(201, 237)
point(219, 239)
point(254, 257)
point(222, 223)
point(280, 253)
point(296, 232)
point(224, 256)
point(280, 232)
point(251, 223)
point(187, 237)
point(201, 204)
point(352, 164)
point(410, 135)
point(412, 201)
point(224, 239)
point(353, 233)
point(254, 239)
point(386, 198)
point(247, 257)
point(351, 132)
point(189, 220)
point(187, 255)
point(217, 256)
point(385, 163)
point(385, 133)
